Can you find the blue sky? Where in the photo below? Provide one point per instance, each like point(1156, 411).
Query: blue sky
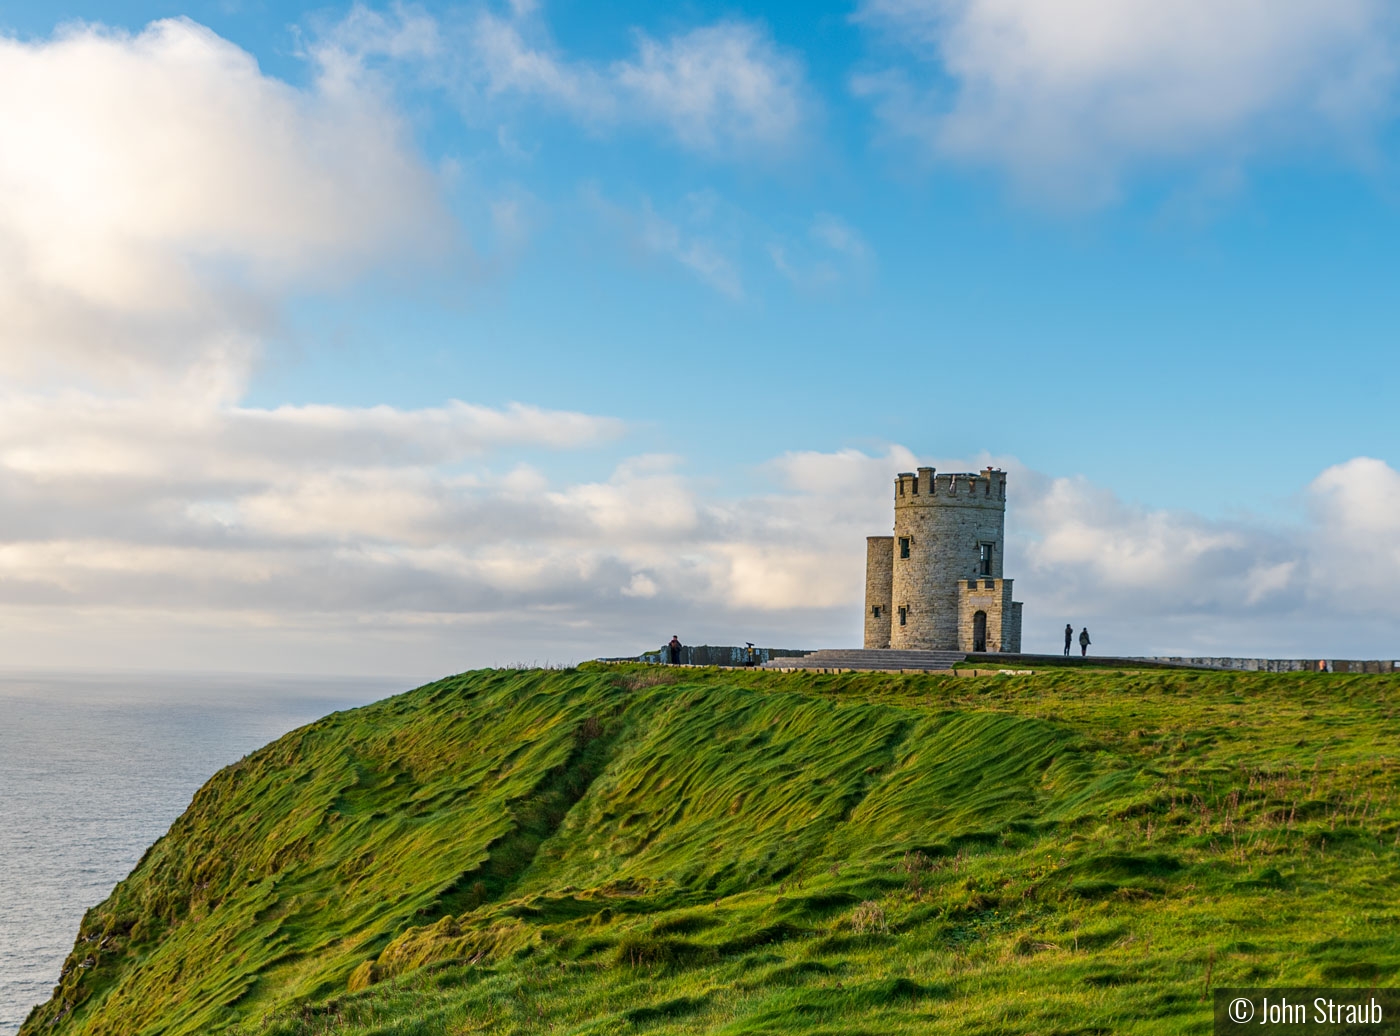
point(1142, 258)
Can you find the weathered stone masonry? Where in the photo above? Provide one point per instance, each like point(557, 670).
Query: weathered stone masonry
point(937, 583)
point(879, 574)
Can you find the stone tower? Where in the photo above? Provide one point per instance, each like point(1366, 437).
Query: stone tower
point(937, 583)
point(879, 586)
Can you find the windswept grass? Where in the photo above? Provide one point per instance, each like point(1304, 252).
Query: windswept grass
point(633, 849)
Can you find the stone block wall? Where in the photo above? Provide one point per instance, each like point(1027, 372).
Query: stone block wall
point(992, 597)
point(709, 654)
point(1011, 633)
point(943, 519)
point(879, 573)
point(1287, 665)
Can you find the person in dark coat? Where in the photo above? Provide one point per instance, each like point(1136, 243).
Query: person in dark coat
point(673, 650)
point(1084, 641)
point(1069, 636)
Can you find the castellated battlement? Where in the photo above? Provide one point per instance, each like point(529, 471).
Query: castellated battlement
point(937, 583)
point(984, 488)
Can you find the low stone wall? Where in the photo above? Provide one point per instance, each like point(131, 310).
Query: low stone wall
point(707, 654)
point(1288, 665)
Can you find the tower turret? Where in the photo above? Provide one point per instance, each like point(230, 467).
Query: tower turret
point(946, 590)
point(879, 573)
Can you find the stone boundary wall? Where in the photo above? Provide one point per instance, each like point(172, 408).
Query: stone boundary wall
point(706, 654)
point(1286, 665)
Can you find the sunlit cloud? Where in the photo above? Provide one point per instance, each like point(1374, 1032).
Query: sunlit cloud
point(159, 195)
point(1070, 96)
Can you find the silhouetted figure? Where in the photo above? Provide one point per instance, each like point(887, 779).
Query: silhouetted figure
point(1069, 637)
point(673, 650)
point(1084, 641)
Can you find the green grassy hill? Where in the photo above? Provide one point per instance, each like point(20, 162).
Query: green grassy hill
point(633, 849)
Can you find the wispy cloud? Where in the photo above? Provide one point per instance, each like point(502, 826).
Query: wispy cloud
point(721, 89)
point(839, 236)
point(500, 60)
point(833, 251)
point(695, 239)
point(725, 90)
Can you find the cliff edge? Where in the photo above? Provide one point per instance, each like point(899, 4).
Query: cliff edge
point(624, 847)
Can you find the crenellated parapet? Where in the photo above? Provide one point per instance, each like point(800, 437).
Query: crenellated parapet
point(986, 488)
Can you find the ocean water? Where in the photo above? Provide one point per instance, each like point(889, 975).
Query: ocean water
point(93, 769)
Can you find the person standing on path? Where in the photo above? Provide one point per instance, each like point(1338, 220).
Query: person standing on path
point(1069, 636)
point(1084, 641)
point(673, 650)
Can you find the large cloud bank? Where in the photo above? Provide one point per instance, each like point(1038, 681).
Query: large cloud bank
point(323, 534)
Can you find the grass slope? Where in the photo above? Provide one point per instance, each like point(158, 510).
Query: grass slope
point(617, 850)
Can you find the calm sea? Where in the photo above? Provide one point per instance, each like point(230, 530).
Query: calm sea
point(95, 768)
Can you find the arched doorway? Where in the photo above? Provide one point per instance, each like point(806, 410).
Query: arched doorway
point(979, 631)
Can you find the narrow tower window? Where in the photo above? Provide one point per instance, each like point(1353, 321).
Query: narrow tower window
point(903, 615)
point(984, 559)
point(904, 546)
point(875, 611)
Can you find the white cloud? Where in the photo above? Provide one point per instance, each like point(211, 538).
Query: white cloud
point(725, 90)
point(158, 193)
point(1266, 579)
point(375, 532)
point(183, 497)
point(397, 539)
point(834, 251)
point(700, 257)
point(720, 88)
point(410, 33)
point(1355, 508)
point(640, 586)
point(1146, 580)
point(1175, 582)
point(1069, 95)
point(499, 57)
point(160, 197)
point(701, 238)
point(839, 236)
point(83, 436)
